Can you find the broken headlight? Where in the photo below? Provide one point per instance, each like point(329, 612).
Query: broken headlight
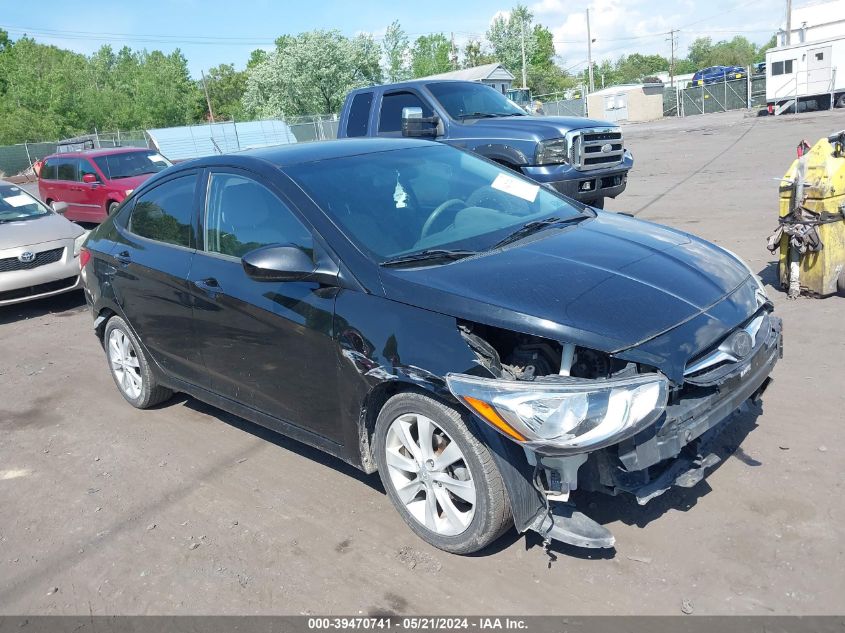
point(572, 415)
point(553, 152)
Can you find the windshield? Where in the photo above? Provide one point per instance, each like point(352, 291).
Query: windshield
point(430, 197)
point(128, 164)
point(465, 100)
point(16, 204)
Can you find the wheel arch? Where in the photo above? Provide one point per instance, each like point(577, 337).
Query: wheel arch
point(525, 500)
point(374, 401)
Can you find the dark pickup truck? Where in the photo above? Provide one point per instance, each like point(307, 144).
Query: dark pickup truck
point(582, 158)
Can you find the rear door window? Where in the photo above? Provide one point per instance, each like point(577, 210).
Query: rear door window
point(165, 213)
point(48, 169)
point(359, 114)
point(390, 117)
point(66, 168)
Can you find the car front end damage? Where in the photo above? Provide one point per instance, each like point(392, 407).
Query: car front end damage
point(598, 421)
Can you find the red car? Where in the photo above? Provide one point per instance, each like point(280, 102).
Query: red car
point(94, 182)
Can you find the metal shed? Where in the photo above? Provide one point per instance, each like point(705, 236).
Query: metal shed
point(191, 141)
point(629, 102)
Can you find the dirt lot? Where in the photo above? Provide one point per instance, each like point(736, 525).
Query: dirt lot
point(185, 509)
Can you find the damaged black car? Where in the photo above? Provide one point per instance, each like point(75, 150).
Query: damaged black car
point(487, 345)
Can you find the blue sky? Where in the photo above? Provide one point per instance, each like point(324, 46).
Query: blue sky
point(210, 32)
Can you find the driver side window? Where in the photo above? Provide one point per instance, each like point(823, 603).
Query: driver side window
point(390, 117)
point(242, 215)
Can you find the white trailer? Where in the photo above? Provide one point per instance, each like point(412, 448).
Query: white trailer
point(812, 73)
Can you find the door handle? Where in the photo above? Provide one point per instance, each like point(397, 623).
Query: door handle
point(210, 285)
point(123, 257)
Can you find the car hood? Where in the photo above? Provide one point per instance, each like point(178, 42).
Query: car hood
point(37, 230)
point(133, 182)
point(609, 283)
point(539, 128)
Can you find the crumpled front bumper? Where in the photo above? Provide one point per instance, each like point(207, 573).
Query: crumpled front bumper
point(675, 451)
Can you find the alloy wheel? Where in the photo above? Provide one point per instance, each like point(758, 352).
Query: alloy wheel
point(430, 474)
point(125, 364)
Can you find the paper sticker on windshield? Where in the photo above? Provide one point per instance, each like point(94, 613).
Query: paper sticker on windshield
point(157, 158)
point(516, 187)
point(20, 200)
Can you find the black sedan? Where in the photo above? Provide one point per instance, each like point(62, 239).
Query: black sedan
point(486, 344)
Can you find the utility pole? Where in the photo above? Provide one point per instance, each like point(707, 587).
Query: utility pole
point(672, 55)
point(590, 53)
point(788, 22)
point(207, 99)
point(524, 77)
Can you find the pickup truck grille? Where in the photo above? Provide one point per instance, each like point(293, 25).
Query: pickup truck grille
point(9, 264)
point(595, 148)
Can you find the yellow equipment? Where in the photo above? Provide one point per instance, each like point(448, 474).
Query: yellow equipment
point(822, 189)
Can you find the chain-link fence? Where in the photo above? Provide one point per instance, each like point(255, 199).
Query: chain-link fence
point(758, 91)
point(17, 159)
point(566, 107)
point(670, 101)
point(716, 97)
point(180, 143)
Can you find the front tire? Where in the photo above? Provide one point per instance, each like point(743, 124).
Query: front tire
point(439, 476)
point(130, 367)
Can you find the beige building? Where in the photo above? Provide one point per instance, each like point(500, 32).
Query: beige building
point(629, 102)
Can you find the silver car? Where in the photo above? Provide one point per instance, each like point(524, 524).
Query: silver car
point(39, 249)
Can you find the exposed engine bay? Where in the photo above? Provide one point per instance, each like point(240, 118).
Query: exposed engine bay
point(524, 357)
point(675, 450)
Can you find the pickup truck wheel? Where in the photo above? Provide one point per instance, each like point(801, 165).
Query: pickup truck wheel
point(130, 367)
point(439, 476)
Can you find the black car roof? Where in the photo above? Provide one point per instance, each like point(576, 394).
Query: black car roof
point(282, 155)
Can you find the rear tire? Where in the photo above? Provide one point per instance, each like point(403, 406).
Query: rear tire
point(130, 368)
point(452, 470)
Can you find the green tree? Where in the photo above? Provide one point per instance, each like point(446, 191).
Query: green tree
point(395, 47)
point(505, 35)
point(256, 57)
point(738, 51)
point(475, 55)
point(310, 74)
point(761, 52)
point(430, 55)
point(226, 87)
point(632, 68)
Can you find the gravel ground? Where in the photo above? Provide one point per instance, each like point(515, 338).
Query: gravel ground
point(185, 509)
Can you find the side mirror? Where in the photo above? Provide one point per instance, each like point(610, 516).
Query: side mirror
point(285, 263)
point(90, 178)
point(415, 124)
point(59, 207)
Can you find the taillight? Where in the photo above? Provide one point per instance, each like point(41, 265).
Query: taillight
point(84, 257)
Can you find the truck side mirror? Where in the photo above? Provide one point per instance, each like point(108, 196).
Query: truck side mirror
point(415, 124)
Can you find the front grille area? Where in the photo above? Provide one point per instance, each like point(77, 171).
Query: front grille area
point(712, 365)
point(596, 148)
point(40, 289)
point(9, 264)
